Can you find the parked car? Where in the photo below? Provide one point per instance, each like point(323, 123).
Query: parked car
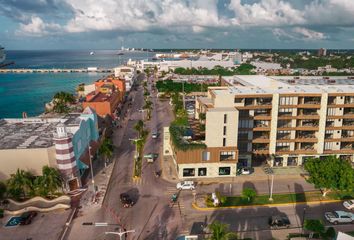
point(279, 221)
point(26, 217)
point(154, 135)
point(126, 200)
point(349, 204)
point(185, 185)
point(150, 158)
point(244, 171)
point(339, 217)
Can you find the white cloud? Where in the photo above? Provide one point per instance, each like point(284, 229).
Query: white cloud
point(37, 27)
point(309, 34)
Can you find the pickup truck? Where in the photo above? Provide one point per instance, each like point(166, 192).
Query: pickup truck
point(339, 217)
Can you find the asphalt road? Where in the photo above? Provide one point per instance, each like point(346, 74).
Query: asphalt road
point(153, 218)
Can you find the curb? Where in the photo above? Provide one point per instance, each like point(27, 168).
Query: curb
point(196, 207)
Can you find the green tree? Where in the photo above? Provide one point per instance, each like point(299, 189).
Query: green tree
point(49, 182)
point(330, 173)
point(106, 149)
point(139, 127)
point(220, 231)
point(61, 101)
point(20, 184)
point(249, 194)
point(314, 225)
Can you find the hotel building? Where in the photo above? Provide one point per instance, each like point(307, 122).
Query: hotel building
point(281, 121)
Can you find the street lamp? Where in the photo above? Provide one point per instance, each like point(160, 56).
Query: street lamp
point(271, 189)
point(91, 166)
point(120, 233)
point(104, 224)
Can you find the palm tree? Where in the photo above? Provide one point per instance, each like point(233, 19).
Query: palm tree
point(139, 127)
point(220, 231)
point(106, 149)
point(50, 180)
point(20, 184)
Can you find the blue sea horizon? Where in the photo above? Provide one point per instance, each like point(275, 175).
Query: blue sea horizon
point(28, 92)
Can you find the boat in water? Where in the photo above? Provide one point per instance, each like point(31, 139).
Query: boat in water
point(92, 53)
point(2, 54)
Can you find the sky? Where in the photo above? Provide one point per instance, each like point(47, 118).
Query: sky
point(109, 24)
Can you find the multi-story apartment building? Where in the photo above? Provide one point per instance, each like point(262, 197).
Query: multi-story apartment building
point(278, 120)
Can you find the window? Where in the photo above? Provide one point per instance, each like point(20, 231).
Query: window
point(242, 135)
point(231, 155)
point(224, 130)
point(328, 145)
point(224, 142)
point(245, 124)
point(331, 112)
point(202, 171)
point(188, 172)
point(242, 146)
point(224, 171)
point(206, 156)
point(286, 100)
point(225, 118)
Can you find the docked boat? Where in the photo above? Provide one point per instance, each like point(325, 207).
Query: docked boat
point(2, 54)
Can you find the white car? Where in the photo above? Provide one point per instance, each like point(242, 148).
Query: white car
point(154, 135)
point(246, 171)
point(185, 185)
point(349, 204)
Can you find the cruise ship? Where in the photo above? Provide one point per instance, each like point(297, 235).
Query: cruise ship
point(2, 55)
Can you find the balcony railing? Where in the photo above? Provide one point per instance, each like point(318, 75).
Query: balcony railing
point(283, 114)
point(306, 136)
point(282, 149)
point(284, 137)
point(261, 125)
point(348, 123)
point(329, 124)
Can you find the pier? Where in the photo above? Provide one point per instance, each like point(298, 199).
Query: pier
point(57, 70)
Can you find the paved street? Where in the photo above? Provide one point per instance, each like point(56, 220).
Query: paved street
point(153, 218)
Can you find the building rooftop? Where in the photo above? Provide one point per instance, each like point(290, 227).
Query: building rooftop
point(101, 97)
point(33, 132)
point(260, 84)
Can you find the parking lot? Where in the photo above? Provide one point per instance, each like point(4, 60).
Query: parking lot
point(43, 226)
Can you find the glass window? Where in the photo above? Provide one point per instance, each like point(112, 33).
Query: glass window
point(224, 171)
point(225, 118)
point(202, 171)
point(224, 130)
point(224, 142)
point(205, 156)
point(188, 172)
point(231, 155)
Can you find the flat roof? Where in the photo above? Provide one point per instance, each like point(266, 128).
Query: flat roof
point(23, 133)
point(260, 84)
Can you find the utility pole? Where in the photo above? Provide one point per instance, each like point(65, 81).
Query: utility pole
point(91, 167)
point(184, 104)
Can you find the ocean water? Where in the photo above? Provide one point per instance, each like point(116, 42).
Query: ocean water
point(28, 92)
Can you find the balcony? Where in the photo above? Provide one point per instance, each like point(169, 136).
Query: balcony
point(347, 146)
point(349, 111)
point(285, 114)
point(263, 101)
point(283, 136)
point(282, 149)
point(349, 100)
point(329, 123)
point(305, 136)
point(329, 136)
point(308, 112)
point(331, 101)
point(310, 100)
point(305, 147)
point(307, 123)
point(262, 113)
point(348, 122)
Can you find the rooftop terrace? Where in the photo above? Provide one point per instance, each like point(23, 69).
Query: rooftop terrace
point(259, 84)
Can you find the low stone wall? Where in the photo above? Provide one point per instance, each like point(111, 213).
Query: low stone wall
point(58, 206)
point(38, 204)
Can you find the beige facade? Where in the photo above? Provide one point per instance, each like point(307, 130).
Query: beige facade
point(29, 159)
point(281, 120)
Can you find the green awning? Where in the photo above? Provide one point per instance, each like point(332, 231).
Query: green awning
point(82, 165)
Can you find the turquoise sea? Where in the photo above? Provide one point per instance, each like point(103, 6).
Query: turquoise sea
point(28, 92)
